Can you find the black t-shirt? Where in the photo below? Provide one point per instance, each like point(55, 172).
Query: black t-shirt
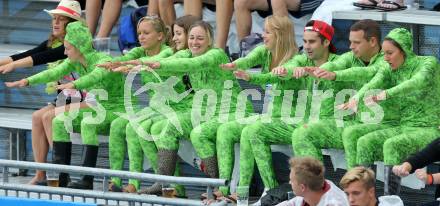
point(42, 54)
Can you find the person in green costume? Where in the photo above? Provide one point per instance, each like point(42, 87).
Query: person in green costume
point(207, 79)
point(138, 141)
point(50, 52)
point(153, 37)
point(82, 58)
point(279, 47)
point(412, 82)
point(318, 51)
point(350, 69)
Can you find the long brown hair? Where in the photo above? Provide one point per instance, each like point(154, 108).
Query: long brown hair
point(285, 45)
point(52, 38)
point(185, 22)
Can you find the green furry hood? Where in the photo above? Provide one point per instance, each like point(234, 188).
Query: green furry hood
point(80, 37)
point(404, 38)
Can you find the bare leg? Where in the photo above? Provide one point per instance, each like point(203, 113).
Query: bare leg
point(193, 7)
point(243, 9)
point(153, 8)
point(48, 117)
point(47, 124)
point(280, 7)
point(39, 142)
point(110, 15)
point(167, 12)
point(223, 16)
point(93, 11)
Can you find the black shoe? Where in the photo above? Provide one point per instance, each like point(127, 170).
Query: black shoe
point(90, 155)
point(62, 152)
point(81, 184)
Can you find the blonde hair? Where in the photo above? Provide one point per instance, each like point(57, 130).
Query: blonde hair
point(362, 174)
point(285, 44)
point(208, 29)
point(159, 26)
point(308, 171)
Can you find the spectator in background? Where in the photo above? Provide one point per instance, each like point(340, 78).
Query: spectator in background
point(51, 50)
point(110, 15)
point(414, 163)
point(164, 9)
point(359, 185)
point(310, 187)
point(223, 15)
point(243, 9)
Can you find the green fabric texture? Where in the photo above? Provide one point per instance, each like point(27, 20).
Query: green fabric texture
point(232, 132)
point(118, 140)
point(277, 131)
point(80, 37)
point(415, 88)
point(351, 135)
point(91, 77)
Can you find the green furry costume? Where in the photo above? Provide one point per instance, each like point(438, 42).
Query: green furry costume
point(118, 140)
point(261, 135)
point(325, 133)
point(234, 131)
point(206, 78)
point(91, 78)
point(138, 135)
point(414, 87)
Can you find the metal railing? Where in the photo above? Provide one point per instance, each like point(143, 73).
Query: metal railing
point(131, 199)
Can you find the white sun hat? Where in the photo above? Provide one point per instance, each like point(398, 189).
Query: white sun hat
point(68, 8)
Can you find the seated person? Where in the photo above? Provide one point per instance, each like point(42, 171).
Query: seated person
point(359, 185)
point(309, 185)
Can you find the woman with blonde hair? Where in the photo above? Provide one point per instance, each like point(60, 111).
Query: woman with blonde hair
point(278, 48)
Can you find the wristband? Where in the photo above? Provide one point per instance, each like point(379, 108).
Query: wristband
point(429, 179)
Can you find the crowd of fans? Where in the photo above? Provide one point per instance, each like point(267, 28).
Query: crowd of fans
point(390, 125)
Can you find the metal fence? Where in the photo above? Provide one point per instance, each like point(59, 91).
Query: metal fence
point(104, 195)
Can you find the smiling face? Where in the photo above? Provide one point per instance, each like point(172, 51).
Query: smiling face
point(392, 54)
point(268, 36)
point(148, 37)
point(314, 47)
point(71, 52)
point(198, 41)
point(59, 24)
point(179, 37)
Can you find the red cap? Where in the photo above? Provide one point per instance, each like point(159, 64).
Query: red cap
point(326, 30)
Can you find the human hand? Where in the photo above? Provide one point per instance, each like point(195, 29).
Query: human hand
point(20, 83)
point(228, 66)
point(279, 71)
point(69, 85)
point(422, 175)
point(7, 68)
point(324, 74)
point(152, 65)
point(375, 98)
point(402, 170)
point(351, 104)
point(132, 62)
point(240, 74)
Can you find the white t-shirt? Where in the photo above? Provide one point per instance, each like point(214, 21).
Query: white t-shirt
point(333, 197)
